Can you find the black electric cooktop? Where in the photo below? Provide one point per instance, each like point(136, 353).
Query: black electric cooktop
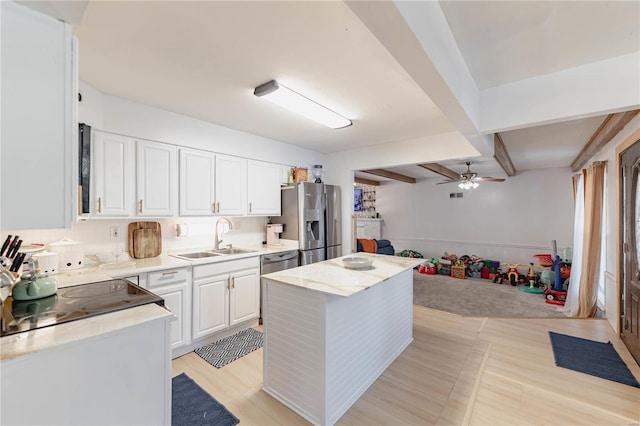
point(73, 303)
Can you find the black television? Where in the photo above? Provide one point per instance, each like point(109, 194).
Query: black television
point(357, 200)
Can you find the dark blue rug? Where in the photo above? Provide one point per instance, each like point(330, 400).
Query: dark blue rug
point(191, 405)
point(590, 357)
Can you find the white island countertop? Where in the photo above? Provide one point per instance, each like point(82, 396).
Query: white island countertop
point(331, 277)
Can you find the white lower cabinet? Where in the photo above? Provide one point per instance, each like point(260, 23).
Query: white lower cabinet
point(225, 294)
point(173, 286)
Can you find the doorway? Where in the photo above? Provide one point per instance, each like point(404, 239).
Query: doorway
point(630, 247)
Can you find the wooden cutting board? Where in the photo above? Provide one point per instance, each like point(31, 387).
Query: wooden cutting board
point(145, 239)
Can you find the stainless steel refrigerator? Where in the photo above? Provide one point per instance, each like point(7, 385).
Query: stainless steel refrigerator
point(311, 216)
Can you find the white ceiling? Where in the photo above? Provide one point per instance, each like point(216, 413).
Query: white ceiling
point(507, 41)
point(204, 58)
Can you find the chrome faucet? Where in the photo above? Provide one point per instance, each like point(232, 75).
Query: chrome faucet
point(223, 225)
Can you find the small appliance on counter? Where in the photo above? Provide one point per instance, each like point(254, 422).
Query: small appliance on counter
point(273, 234)
point(48, 262)
point(70, 254)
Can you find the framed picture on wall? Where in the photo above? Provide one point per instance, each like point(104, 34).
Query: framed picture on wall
point(357, 200)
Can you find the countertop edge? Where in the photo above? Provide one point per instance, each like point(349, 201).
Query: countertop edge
point(29, 342)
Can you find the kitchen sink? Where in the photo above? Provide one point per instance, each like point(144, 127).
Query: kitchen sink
point(198, 255)
point(231, 251)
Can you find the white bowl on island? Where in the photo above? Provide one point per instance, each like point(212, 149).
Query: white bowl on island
point(357, 262)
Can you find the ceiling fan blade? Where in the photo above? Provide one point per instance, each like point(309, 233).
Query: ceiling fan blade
point(447, 181)
point(489, 179)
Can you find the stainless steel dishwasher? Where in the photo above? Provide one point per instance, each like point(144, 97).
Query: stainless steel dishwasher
point(277, 262)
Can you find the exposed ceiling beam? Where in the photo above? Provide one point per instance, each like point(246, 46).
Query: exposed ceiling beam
point(501, 155)
point(609, 128)
point(441, 170)
point(390, 175)
point(364, 181)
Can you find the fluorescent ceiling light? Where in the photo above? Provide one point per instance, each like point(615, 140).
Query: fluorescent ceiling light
point(295, 102)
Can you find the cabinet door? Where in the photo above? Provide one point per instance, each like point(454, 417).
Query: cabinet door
point(210, 306)
point(112, 174)
point(197, 196)
point(231, 185)
point(244, 296)
point(263, 193)
point(39, 128)
point(157, 179)
point(176, 301)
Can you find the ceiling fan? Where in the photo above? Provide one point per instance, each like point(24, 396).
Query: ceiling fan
point(470, 179)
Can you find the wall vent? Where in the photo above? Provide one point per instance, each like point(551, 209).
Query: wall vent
point(455, 195)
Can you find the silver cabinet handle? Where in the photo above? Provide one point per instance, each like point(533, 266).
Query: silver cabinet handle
point(250, 206)
point(140, 206)
point(233, 282)
point(99, 204)
point(213, 207)
point(169, 273)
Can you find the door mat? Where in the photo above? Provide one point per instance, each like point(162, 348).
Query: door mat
point(193, 406)
point(590, 357)
point(230, 348)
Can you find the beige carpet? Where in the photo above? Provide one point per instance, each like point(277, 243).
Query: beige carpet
point(479, 298)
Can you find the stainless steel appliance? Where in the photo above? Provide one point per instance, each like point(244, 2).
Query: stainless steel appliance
point(311, 216)
point(333, 221)
point(277, 262)
point(73, 303)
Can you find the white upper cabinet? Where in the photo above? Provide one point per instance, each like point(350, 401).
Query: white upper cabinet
point(197, 177)
point(112, 174)
point(38, 166)
point(156, 179)
point(231, 185)
point(263, 193)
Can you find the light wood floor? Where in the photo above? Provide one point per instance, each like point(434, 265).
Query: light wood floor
point(458, 370)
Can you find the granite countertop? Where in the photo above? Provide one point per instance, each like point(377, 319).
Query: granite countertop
point(331, 277)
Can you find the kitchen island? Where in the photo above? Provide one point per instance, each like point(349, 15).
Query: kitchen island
point(330, 332)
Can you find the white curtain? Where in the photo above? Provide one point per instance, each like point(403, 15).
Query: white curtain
point(571, 305)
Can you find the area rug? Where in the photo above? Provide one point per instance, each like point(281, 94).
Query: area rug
point(191, 405)
point(224, 351)
point(479, 298)
point(590, 357)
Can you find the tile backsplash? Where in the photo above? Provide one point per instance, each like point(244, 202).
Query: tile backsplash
point(95, 234)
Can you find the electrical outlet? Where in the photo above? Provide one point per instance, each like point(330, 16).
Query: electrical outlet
point(115, 232)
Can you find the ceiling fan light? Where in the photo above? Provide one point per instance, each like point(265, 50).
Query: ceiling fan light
point(461, 185)
point(475, 185)
point(286, 98)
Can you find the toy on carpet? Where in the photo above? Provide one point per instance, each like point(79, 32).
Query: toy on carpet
point(556, 295)
point(533, 279)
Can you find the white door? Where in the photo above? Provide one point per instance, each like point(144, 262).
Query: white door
point(210, 306)
point(111, 174)
point(197, 176)
point(263, 193)
point(175, 301)
point(245, 296)
point(157, 179)
point(231, 185)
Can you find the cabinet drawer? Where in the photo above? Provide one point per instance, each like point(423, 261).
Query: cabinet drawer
point(168, 276)
point(218, 268)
